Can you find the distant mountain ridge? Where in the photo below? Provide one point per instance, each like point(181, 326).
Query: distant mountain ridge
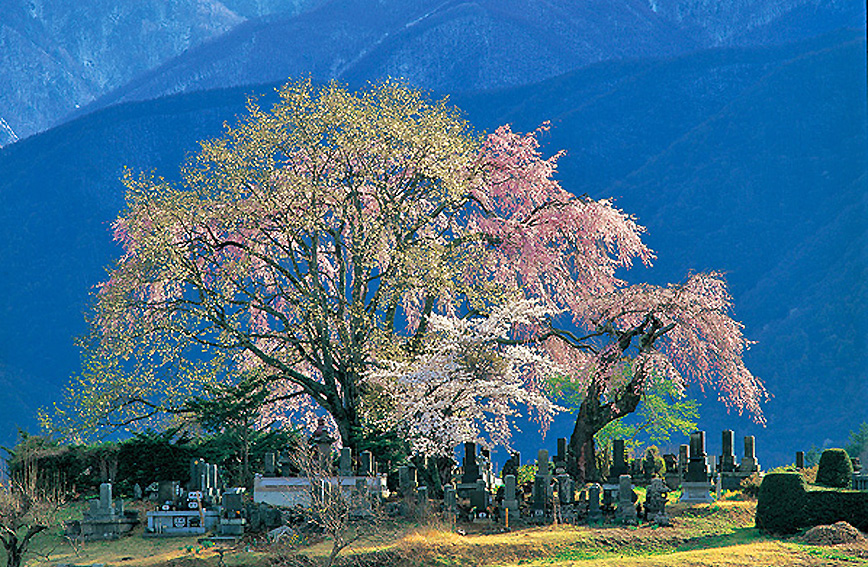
point(58, 57)
point(747, 160)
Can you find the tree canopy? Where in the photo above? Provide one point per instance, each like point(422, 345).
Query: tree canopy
point(369, 255)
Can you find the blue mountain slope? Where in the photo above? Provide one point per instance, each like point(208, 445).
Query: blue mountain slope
point(447, 45)
point(748, 161)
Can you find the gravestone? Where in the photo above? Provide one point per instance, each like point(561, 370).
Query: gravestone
point(543, 465)
point(450, 502)
point(407, 483)
point(566, 489)
point(479, 500)
point(106, 518)
point(137, 491)
point(345, 464)
point(366, 464)
point(471, 467)
point(510, 498)
point(168, 492)
point(619, 461)
point(422, 502)
point(672, 478)
point(322, 442)
point(561, 457)
point(203, 480)
point(232, 515)
point(726, 462)
point(697, 465)
point(683, 459)
point(594, 511)
point(539, 498)
point(749, 463)
point(800, 460)
point(270, 464)
point(626, 511)
point(696, 486)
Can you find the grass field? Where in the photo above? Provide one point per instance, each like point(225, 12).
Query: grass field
point(718, 534)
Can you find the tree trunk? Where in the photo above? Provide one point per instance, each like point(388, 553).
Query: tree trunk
point(594, 415)
point(582, 464)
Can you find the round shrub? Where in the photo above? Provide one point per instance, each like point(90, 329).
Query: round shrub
point(653, 464)
point(750, 486)
point(781, 503)
point(835, 469)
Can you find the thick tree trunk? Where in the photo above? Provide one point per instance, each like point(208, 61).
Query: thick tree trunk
point(594, 415)
point(582, 459)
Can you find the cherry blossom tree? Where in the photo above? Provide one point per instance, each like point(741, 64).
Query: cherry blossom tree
point(368, 256)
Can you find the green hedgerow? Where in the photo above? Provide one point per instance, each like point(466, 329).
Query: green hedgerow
point(835, 470)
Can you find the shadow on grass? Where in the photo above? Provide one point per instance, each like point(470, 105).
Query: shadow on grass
point(739, 536)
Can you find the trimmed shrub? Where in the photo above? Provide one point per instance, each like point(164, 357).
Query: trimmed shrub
point(835, 470)
point(750, 486)
point(781, 503)
point(786, 505)
point(828, 506)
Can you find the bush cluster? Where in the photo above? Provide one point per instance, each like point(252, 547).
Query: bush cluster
point(835, 469)
point(143, 459)
point(786, 504)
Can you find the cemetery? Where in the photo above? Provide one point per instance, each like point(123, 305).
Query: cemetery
point(664, 497)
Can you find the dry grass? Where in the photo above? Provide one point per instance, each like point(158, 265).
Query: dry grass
point(715, 535)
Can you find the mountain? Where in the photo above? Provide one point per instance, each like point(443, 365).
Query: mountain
point(56, 55)
point(448, 46)
point(753, 162)
point(747, 160)
point(757, 22)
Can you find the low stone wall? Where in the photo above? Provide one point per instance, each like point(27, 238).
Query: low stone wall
point(289, 492)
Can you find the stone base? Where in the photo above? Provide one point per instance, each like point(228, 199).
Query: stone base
point(288, 492)
point(732, 480)
point(97, 529)
point(232, 526)
point(696, 492)
point(512, 506)
point(175, 523)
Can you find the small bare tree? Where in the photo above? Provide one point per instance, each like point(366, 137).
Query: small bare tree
point(346, 514)
point(27, 507)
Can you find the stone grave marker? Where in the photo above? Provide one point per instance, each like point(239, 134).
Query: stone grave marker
point(510, 498)
point(626, 511)
point(749, 463)
point(106, 518)
point(800, 460)
point(345, 464)
point(696, 486)
point(540, 498)
point(561, 457)
point(619, 461)
point(726, 463)
point(594, 511)
point(471, 467)
point(366, 464)
point(566, 489)
point(450, 502)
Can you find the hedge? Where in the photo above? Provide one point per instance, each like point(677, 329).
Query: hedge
point(786, 505)
point(835, 469)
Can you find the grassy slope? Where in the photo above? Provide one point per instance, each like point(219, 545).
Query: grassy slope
point(719, 534)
